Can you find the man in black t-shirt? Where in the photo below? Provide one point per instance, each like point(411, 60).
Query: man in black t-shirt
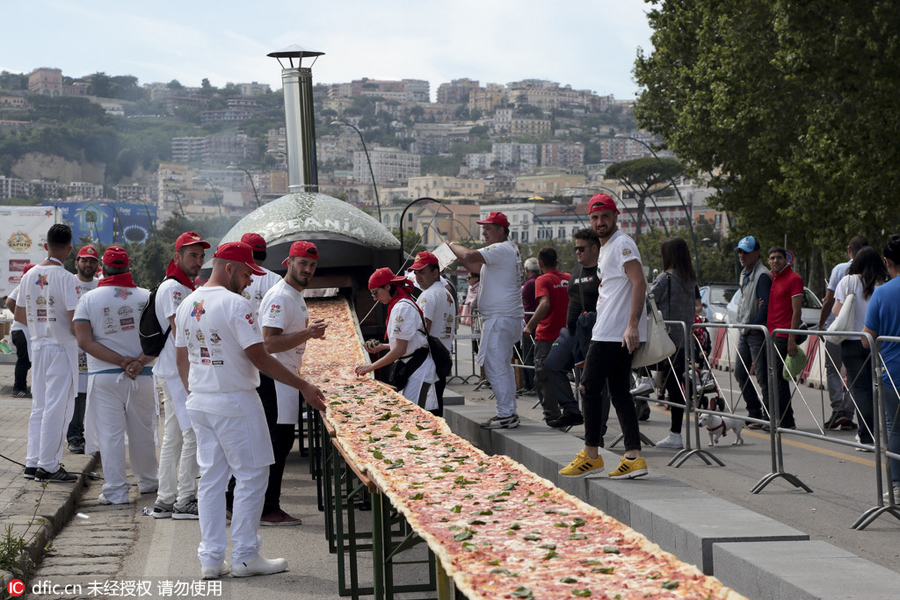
point(570, 347)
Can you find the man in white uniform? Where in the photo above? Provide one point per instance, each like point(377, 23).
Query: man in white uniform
point(47, 301)
point(620, 328)
point(220, 352)
point(121, 386)
point(87, 261)
point(286, 329)
point(500, 302)
point(177, 496)
point(437, 308)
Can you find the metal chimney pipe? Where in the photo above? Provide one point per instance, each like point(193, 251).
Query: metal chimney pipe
point(299, 118)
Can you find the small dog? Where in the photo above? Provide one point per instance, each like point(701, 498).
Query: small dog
point(719, 427)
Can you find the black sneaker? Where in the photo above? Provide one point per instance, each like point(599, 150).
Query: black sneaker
point(76, 446)
point(60, 476)
point(21, 394)
point(510, 422)
point(567, 420)
point(29, 472)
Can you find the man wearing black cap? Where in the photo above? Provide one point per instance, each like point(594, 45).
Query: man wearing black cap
point(121, 386)
point(500, 302)
point(177, 497)
point(220, 352)
point(755, 283)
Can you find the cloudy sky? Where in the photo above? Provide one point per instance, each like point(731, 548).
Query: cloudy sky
point(588, 44)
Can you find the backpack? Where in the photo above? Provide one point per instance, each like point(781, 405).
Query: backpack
point(153, 338)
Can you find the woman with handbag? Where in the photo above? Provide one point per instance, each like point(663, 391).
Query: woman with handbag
point(413, 372)
point(852, 295)
point(675, 292)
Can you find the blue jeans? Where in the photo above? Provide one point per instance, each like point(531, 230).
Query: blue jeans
point(891, 404)
point(552, 379)
point(752, 350)
point(859, 379)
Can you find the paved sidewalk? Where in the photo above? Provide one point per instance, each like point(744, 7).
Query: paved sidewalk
point(36, 512)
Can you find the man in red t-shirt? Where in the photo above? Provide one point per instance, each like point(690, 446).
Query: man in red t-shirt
point(551, 291)
point(785, 304)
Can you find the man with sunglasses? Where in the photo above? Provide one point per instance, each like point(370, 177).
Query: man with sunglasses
point(570, 347)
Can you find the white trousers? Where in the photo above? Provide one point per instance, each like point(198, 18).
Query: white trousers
point(227, 446)
point(424, 374)
point(116, 406)
point(53, 402)
point(495, 353)
point(178, 454)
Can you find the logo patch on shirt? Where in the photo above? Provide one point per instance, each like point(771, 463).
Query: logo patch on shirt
point(122, 293)
point(626, 251)
point(201, 338)
point(275, 309)
point(249, 318)
point(198, 311)
point(41, 281)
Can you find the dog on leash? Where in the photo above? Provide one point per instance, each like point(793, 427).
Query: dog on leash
point(718, 427)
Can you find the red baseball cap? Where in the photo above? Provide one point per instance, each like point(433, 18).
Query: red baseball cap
point(383, 276)
point(27, 268)
point(238, 252)
point(422, 259)
point(115, 256)
point(496, 218)
point(255, 241)
point(189, 238)
point(307, 249)
point(88, 252)
point(602, 202)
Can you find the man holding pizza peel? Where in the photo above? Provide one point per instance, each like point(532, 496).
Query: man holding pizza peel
point(620, 327)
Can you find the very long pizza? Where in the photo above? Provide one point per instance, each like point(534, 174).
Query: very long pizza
point(498, 529)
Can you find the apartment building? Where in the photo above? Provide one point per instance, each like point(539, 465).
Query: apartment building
point(130, 191)
point(46, 82)
point(548, 184)
point(188, 149)
point(253, 88)
point(561, 154)
point(458, 90)
point(517, 156)
point(437, 186)
point(389, 164)
point(85, 190)
point(11, 187)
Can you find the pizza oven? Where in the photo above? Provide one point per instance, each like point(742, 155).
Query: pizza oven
point(351, 243)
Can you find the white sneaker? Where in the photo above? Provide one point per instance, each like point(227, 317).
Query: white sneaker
point(214, 571)
point(259, 566)
point(887, 495)
point(103, 500)
point(673, 440)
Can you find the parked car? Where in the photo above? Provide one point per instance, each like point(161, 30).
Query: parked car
point(720, 302)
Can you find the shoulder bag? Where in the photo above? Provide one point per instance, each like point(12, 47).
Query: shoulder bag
point(659, 345)
point(845, 320)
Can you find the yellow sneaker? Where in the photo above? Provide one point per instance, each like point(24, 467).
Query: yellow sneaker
point(582, 465)
point(630, 468)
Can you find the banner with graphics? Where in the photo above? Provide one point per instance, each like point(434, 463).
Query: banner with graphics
point(108, 223)
point(23, 231)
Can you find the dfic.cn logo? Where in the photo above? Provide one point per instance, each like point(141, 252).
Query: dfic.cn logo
point(15, 587)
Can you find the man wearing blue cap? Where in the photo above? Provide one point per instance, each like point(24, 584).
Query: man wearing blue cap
point(753, 308)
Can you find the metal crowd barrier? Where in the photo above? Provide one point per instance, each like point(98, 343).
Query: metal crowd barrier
point(879, 429)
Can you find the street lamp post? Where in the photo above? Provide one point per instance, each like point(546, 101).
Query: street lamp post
point(250, 177)
point(369, 161)
point(402, 219)
point(677, 191)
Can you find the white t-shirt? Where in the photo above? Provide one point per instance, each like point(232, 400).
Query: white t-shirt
point(82, 288)
point(614, 301)
point(851, 284)
point(48, 293)
point(169, 296)
point(837, 273)
point(215, 326)
point(501, 281)
point(257, 289)
point(284, 308)
point(405, 323)
point(114, 314)
point(437, 306)
point(16, 326)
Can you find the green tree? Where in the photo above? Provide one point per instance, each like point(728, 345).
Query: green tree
point(787, 105)
point(645, 177)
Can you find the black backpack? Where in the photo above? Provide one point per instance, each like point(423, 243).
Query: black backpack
point(153, 338)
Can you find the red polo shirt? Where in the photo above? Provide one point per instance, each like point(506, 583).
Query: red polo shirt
point(785, 285)
point(554, 285)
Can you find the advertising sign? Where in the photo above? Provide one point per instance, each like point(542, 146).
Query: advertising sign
point(23, 231)
point(108, 223)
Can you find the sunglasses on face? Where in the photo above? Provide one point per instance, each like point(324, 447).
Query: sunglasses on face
point(581, 248)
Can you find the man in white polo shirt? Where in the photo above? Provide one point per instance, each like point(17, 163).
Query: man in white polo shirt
point(437, 309)
point(47, 301)
point(177, 497)
point(286, 328)
point(120, 389)
point(220, 352)
point(500, 302)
